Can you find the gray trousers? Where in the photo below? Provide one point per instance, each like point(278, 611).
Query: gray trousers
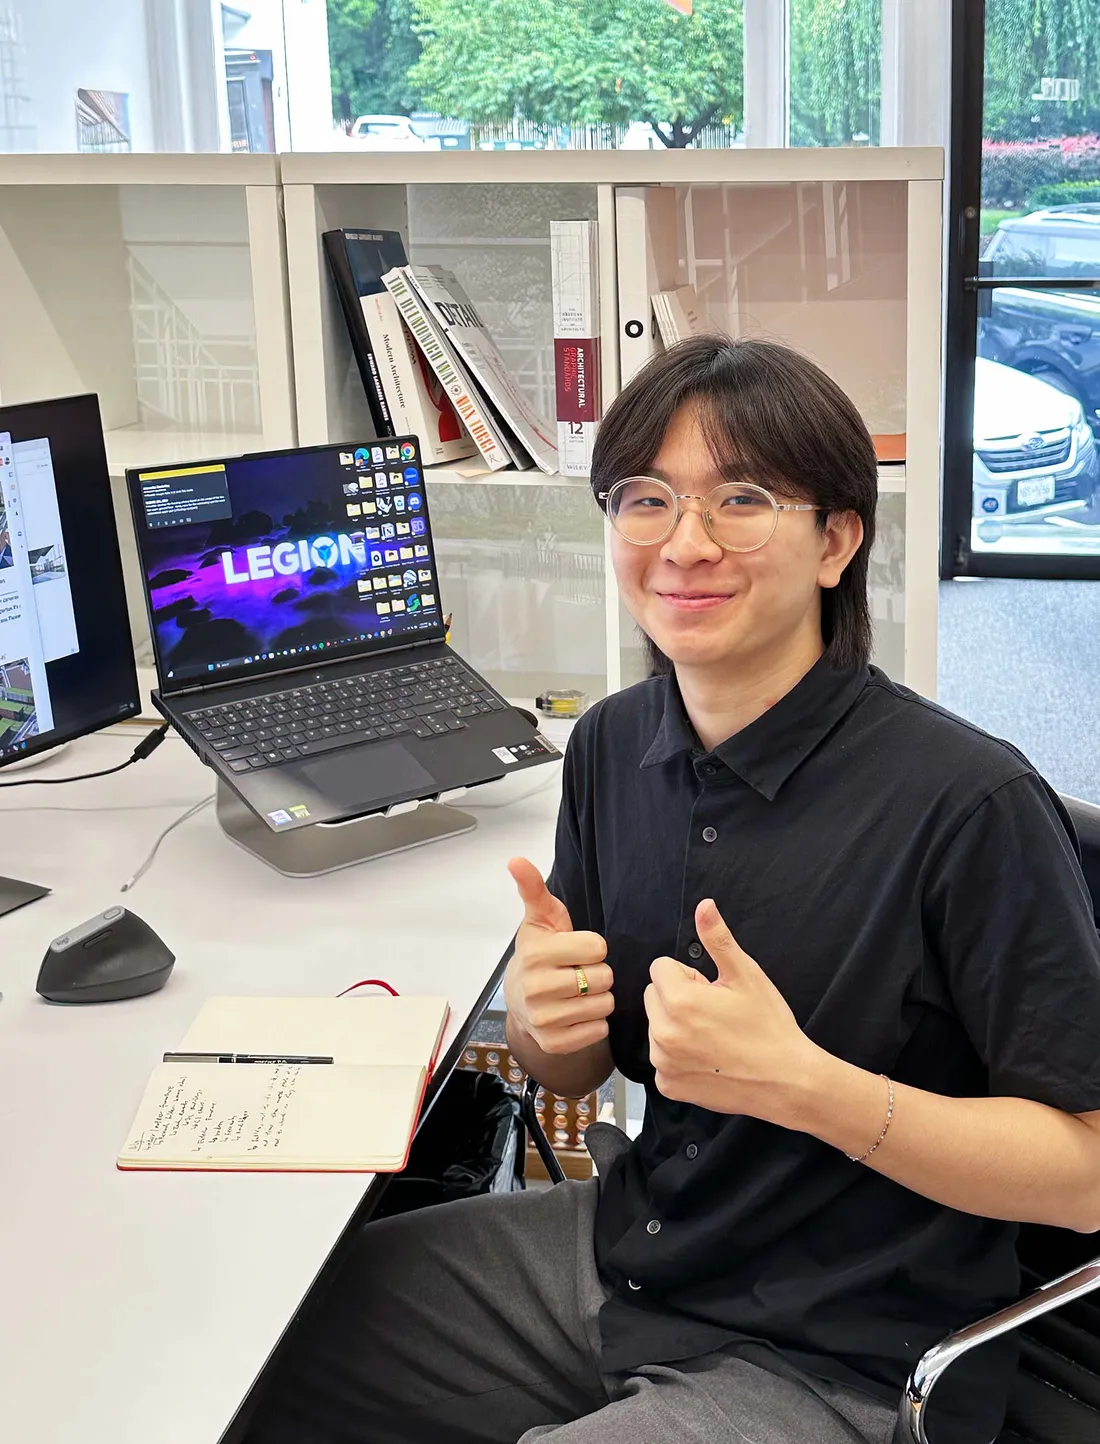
point(475, 1323)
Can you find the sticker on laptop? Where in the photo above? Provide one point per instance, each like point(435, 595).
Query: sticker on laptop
point(279, 817)
point(299, 811)
point(522, 751)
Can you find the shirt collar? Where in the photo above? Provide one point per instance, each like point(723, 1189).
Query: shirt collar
point(766, 752)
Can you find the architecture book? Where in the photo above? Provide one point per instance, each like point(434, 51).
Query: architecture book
point(357, 260)
point(432, 340)
point(574, 269)
point(455, 314)
point(418, 404)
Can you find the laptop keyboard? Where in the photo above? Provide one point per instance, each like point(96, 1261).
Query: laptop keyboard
point(424, 699)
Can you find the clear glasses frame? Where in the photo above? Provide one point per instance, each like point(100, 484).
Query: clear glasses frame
point(706, 510)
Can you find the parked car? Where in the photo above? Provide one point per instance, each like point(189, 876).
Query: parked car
point(1034, 452)
point(1052, 334)
point(388, 132)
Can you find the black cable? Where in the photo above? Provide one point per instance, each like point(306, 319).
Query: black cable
point(148, 744)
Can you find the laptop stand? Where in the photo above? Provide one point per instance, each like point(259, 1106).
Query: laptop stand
point(328, 846)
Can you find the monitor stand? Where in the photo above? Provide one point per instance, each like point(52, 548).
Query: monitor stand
point(328, 846)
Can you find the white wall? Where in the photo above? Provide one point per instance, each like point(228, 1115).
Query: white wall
point(296, 33)
point(83, 44)
point(309, 73)
point(167, 55)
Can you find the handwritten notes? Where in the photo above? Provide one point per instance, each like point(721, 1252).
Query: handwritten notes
point(252, 1116)
point(221, 1110)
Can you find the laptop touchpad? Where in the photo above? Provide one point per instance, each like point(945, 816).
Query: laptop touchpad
point(364, 775)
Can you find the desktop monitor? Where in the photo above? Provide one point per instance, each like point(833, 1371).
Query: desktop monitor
point(66, 654)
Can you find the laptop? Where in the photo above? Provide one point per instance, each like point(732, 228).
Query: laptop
point(298, 628)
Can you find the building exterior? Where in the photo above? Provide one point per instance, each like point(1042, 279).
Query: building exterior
point(164, 75)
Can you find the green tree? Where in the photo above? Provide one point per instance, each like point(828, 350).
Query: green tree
point(836, 71)
point(1026, 40)
point(349, 23)
point(559, 62)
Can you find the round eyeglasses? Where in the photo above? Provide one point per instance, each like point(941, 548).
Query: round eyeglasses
point(738, 516)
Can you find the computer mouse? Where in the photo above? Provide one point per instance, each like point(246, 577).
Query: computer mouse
point(113, 956)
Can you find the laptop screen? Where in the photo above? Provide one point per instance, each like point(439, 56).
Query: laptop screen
point(253, 562)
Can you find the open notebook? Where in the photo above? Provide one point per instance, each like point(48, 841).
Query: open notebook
point(355, 1114)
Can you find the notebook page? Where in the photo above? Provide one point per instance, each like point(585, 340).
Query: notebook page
point(236, 1115)
point(380, 1030)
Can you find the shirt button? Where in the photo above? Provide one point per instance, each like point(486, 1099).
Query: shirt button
point(653, 1226)
point(695, 950)
point(631, 1284)
point(692, 1150)
point(708, 769)
point(710, 834)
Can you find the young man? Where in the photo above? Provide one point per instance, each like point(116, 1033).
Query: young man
point(843, 939)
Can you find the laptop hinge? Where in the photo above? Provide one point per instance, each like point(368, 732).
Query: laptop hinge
point(289, 671)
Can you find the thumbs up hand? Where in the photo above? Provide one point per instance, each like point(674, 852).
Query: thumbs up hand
point(733, 1045)
point(557, 986)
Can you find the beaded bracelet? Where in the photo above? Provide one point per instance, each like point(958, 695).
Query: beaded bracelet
point(885, 1126)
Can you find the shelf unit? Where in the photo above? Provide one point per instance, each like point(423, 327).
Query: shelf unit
point(835, 251)
point(158, 282)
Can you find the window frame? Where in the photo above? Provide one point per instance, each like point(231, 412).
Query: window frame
point(965, 284)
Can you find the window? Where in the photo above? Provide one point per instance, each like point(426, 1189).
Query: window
point(313, 75)
point(1022, 445)
point(836, 72)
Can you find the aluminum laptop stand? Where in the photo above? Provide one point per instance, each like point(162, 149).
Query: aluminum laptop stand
point(329, 846)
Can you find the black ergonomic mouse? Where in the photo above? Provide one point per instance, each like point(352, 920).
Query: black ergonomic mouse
point(113, 956)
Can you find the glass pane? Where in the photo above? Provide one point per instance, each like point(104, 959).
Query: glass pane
point(836, 71)
point(153, 311)
point(820, 266)
point(496, 239)
point(1036, 483)
point(522, 573)
point(634, 74)
point(995, 632)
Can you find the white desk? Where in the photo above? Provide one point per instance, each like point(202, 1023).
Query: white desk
point(139, 1307)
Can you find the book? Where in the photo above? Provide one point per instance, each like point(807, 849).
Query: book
point(574, 270)
point(639, 338)
point(418, 404)
point(357, 1114)
point(453, 377)
point(357, 260)
point(454, 312)
point(678, 315)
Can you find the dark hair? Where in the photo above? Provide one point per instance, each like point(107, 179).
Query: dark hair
point(770, 414)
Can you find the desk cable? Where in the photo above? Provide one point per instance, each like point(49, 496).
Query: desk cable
point(148, 745)
point(152, 854)
point(474, 805)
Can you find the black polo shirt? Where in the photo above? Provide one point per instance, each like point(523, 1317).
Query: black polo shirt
point(913, 888)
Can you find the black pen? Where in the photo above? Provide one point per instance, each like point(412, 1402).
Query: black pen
point(241, 1058)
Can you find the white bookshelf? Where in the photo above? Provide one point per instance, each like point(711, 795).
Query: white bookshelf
point(158, 282)
point(834, 251)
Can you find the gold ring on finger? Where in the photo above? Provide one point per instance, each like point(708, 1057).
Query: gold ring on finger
point(582, 981)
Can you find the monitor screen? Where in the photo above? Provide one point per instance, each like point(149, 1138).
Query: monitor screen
point(66, 655)
point(253, 562)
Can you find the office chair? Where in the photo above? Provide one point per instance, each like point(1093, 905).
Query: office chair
point(1056, 1395)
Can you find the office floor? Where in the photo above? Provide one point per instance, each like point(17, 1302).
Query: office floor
point(1020, 658)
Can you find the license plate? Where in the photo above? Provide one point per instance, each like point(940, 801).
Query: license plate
point(1035, 492)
